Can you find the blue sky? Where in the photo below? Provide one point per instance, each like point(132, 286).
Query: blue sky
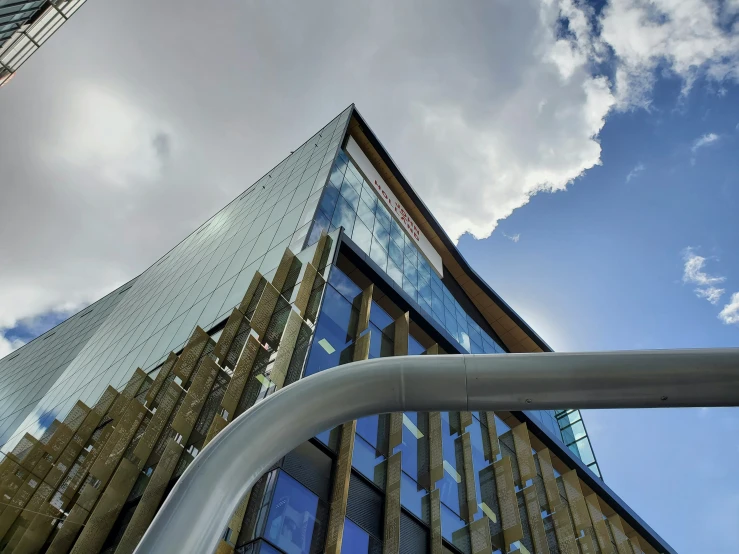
point(601, 136)
point(601, 266)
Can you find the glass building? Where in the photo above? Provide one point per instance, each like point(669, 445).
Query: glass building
point(25, 25)
point(329, 258)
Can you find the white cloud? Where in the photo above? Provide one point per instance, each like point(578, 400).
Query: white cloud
point(712, 294)
point(514, 238)
point(730, 313)
point(705, 140)
point(8, 345)
point(638, 168)
point(693, 273)
point(684, 38)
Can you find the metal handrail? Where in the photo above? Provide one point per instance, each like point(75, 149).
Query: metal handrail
point(200, 505)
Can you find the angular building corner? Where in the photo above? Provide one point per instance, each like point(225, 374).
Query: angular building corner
point(329, 258)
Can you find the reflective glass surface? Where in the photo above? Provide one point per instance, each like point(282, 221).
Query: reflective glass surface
point(291, 522)
point(199, 281)
point(349, 201)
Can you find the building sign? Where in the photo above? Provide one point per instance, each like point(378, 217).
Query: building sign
point(396, 208)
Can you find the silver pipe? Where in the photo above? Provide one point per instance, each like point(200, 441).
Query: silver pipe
point(197, 510)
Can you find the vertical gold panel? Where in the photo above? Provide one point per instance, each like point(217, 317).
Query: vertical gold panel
point(249, 295)
point(38, 531)
point(599, 522)
point(365, 304)
point(509, 514)
point(340, 490)
point(480, 536)
point(536, 524)
point(391, 536)
point(563, 530)
point(635, 543)
point(492, 437)
point(98, 447)
point(228, 334)
point(396, 430)
point(362, 347)
point(14, 507)
point(436, 455)
point(150, 500)
point(240, 376)
point(286, 349)
point(224, 548)
point(283, 269)
point(579, 509)
point(435, 513)
point(320, 246)
point(191, 354)
point(39, 497)
point(465, 420)
point(158, 422)
point(33, 454)
point(217, 425)
point(126, 430)
point(586, 544)
point(265, 307)
point(305, 289)
point(202, 382)
point(59, 441)
point(470, 509)
point(402, 326)
point(106, 511)
point(67, 533)
point(106, 401)
point(622, 541)
point(65, 461)
point(119, 405)
point(522, 444)
point(161, 377)
point(550, 484)
point(88, 427)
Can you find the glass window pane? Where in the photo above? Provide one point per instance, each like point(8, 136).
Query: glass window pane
point(292, 516)
point(355, 540)
point(351, 195)
point(395, 253)
point(362, 236)
point(378, 255)
point(344, 216)
point(369, 461)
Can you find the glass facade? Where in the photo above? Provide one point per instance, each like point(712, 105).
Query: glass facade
point(25, 26)
point(199, 282)
point(349, 201)
point(27, 374)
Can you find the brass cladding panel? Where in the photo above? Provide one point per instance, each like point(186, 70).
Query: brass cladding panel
point(509, 514)
point(228, 334)
point(105, 466)
point(38, 531)
point(575, 498)
point(106, 511)
point(522, 444)
point(435, 546)
point(158, 422)
point(465, 420)
point(480, 536)
point(161, 377)
point(191, 354)
point(217, 425)
point(89, 460)
point(619, 535)
point(202, 382)
point(286, 349)
point(563, 530)
point(240, 376)
point(469, 479)
point(283, 269)
point(436, 454)
point(599, 522)
point(396, 430)
point(365, 304)
point(550, 483)
point(59, 441)
point(340, 489)
point(318, 254)
point(66, 460)
point(106, 401)
point(536, 524)
point(67, 533)
point(250, 292)
point(402, 328)
point(150, 500)
point(391, 535)
point(305, 289)
point(587, 546)
point(362, 347)
point(492, 437)
point(264, 310)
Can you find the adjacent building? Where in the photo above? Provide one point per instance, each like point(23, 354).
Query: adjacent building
point(329, 258)
point(25, 26)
